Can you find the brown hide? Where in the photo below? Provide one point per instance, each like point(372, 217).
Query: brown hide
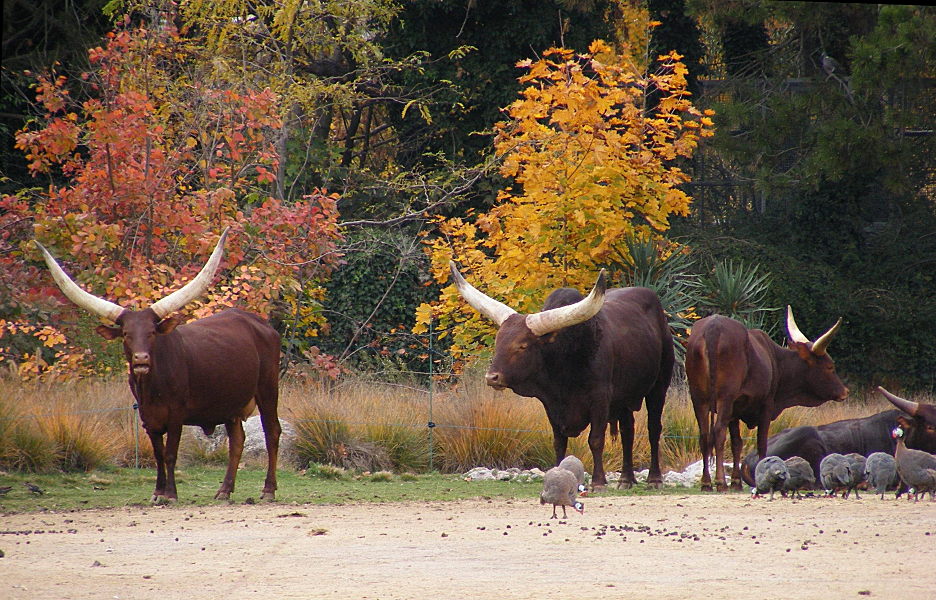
point(593, 373)
point(213, 371)
point(206, 373)
point(737, 374)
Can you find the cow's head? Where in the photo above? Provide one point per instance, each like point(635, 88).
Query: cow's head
point(820, 379)
point(521, 339)
point(137, 328)
point(918, 422)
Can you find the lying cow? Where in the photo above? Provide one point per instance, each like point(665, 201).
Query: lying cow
point(864, 436)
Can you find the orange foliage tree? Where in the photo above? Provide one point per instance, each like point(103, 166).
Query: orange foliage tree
point(142, 176)
point(592, 161)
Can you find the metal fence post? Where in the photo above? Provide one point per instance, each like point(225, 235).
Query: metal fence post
point(430, 424)
point(136, 436)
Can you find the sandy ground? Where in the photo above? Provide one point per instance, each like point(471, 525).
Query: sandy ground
point(715, 546)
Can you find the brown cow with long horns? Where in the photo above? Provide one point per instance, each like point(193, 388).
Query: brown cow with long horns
point(591, 361)
point(738, 374)
point(209, 372)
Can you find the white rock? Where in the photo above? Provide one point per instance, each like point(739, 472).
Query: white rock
point(254, 441)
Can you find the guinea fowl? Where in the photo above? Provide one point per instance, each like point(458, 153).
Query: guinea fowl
point(560, 488)
point(881, 472)
point(856, 472)
point(834, 473)
point(801, 476)
point(572, 464)
point(770, 475)
point(916, 468)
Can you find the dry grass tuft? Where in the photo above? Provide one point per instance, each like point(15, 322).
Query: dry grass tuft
point(359, 426)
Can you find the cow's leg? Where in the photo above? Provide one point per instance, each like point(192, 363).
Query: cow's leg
point(596, 441)
point(737, 445)
point(173, 435)
point(705, 443)
point(156, 439)
point(235, 431)
point(560, 443)
point(626, 427)
point(266, 402)
point(654, 430)
point(718, 440)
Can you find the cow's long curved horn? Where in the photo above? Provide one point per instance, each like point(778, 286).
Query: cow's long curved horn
point(555, 319)
point(909, 407)
point(194, 288)
point(795, 334)
point(484, 304)
point(820, 345)
point(89, 302)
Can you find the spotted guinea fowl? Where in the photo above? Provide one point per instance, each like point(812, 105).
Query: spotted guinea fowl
point(572, 464)
point(801, 476)
point(856, 471)
point(916, 468)
point(881, 472)
point(834, 473)
point(770, 475)
point(560, 488)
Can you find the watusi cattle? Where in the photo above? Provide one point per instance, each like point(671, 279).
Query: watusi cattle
point(864, 436)
point(590, 361)
point(209, 372)
point(737, 374)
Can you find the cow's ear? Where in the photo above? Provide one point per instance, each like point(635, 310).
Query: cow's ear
point(109, 332)
point(166, 325)
point(905, 422)
point(802, 349)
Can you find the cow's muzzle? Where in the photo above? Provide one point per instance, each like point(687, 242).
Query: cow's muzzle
point(140, 364)
point(495, 380)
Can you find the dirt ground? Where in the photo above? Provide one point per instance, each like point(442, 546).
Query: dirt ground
point(694, 546)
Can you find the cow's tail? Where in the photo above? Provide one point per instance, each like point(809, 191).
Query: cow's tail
point(711, 355)
point(614, 428)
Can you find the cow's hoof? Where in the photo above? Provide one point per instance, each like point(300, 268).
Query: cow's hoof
point(655, 485)
point(598, 487)
point(162, 500)
point(223, 495)
point(721, 487)
point(707, 488)
point(268, 496)
point(625, 485)
point(736, 487)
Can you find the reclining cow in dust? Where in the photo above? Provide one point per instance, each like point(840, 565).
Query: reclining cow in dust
point(589, 361)
point(208, 372)
point(738, 374)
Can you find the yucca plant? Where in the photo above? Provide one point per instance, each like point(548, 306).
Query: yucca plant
point(737, 290)
point(666, 268)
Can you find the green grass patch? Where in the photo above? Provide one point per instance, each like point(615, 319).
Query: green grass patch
point(119, 487)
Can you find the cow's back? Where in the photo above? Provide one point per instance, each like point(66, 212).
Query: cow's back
point(640, 340)
point(225, 357)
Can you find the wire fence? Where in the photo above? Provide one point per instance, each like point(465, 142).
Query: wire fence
point(421, 384)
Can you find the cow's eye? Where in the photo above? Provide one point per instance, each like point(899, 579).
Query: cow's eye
point(522, 346)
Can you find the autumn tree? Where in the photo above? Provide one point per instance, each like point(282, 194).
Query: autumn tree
point(139, 178)
point(591, 165)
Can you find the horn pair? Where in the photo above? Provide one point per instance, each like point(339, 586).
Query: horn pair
point(109, 310)
point(821, 344)
point(540, 323)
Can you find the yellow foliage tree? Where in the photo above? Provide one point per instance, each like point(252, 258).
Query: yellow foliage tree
point(593, 161)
